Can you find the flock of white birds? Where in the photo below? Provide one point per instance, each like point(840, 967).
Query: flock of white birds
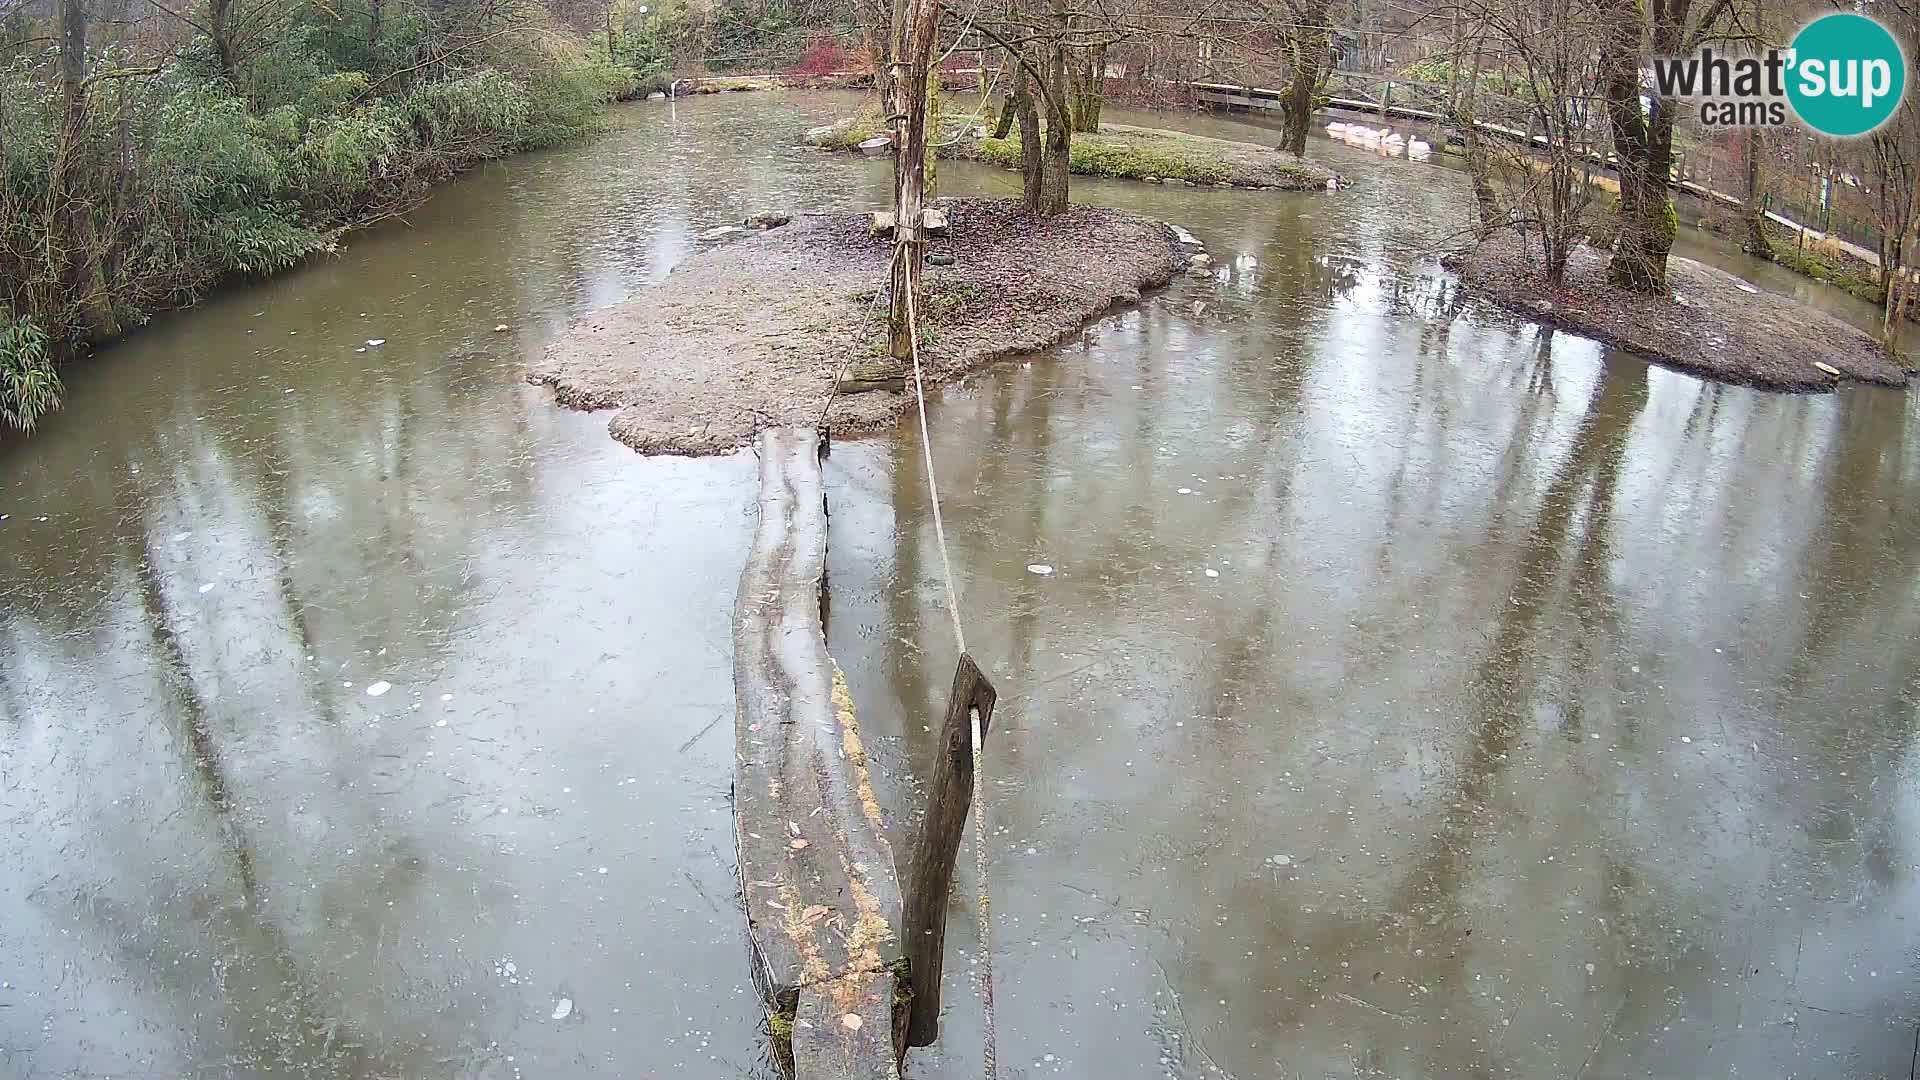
point(1390, 143)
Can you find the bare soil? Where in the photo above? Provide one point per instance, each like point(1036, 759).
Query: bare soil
point(1713, 324)
point(754, 333)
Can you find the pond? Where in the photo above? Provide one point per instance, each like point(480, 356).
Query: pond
point(1417, 691)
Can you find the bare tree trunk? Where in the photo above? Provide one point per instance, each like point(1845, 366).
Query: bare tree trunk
point(914, 24)
point(1010, 104)
point(1635, 249)
point(1894, 277)
point(1897, 324)
point(1031, 152)
point(1643, 145)
point(882, 65)
point(1462, 103)
point(73, 62)
point(66, 223)
point(1310, 42)
point(1090, 89)
point(1059, 134)
point(220, 27)
point(1480, 171)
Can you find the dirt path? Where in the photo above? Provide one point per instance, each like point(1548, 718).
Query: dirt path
point(752, 334)
point(1715, 325)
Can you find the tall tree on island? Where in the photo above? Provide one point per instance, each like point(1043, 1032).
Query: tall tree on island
point(1306, 40)
point(1060, 54)
point(1645, 223)
point(915, 23)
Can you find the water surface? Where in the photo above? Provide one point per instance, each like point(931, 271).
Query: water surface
point(1549, 714)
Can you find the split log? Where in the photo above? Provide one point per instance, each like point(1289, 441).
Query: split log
point(816, 872)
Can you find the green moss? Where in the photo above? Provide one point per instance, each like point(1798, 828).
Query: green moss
point(1816, 266)
point(902, 982)
point(780, 1030)
point(1669, 222)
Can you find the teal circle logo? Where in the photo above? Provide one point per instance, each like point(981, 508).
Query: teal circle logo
point(1848, 75)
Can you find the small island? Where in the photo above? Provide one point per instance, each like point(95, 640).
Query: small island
point(1121, 151)
point(761, 330)
point(1709, 322)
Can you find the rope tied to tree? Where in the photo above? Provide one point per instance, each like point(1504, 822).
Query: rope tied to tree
point(977, 736)
point(983, 900)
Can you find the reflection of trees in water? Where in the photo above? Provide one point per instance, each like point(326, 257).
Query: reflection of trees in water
point(275, 1012)
point(1567, 537)
point(1854, 662)
point(1502, 685)
point(1438, 301)
point(1866, 540)
point(255, 722)
point(1338, 275)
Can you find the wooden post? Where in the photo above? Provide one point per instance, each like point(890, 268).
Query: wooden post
point(930, 879)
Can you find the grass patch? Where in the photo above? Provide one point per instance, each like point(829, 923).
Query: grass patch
point(1831, 266)
point(1132, 153)
point(728, 84)
point(1095, 155)
point(1120, 151)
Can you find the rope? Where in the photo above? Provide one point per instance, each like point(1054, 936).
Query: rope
point(933, 488)
point(984, 901)
point(833, 391)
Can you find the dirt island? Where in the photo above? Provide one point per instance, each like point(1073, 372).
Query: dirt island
point(756, 331)
point(1710, 324)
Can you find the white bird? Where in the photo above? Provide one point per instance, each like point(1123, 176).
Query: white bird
point(1419, 149)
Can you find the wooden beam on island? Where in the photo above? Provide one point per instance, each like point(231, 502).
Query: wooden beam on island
point(816, 872)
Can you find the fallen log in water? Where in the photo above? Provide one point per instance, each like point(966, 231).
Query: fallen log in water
point(816, 872)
